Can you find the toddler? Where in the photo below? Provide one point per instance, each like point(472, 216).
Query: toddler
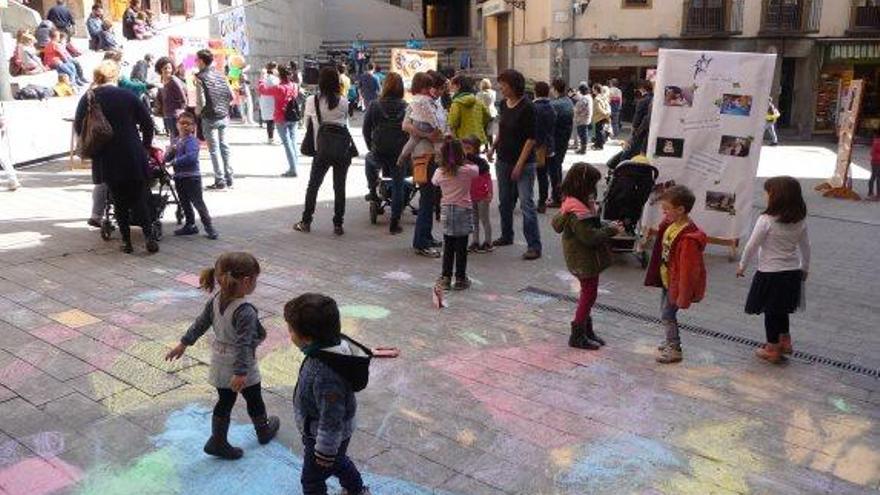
point(237, 333)
point(63, 87)
point(423, 113)
point(481, 195)
point(184, 157)
point(454, 177)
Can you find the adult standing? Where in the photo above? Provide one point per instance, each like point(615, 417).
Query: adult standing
point(515, 169)
point(359, 54)
point(615, 100)
point(122, 162)
point(770, 119)
point(467, 116)
point(328, 112)
point(94, 25)
point(213, 97)
point(172, 95)
point(583, 116)
point(62, 18)
point(561, 134)
point(5, 165)
point(285, 92)
point(129, 18)
point(268, 79)
point(487, 97)
point(638, 143)
point(385, 139)
point(601, 116)
point(368, 86)
point(545, 132)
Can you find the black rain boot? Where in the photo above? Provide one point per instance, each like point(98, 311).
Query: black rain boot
point(218, 445)
point(578, 340)
point(590, 334)
point(266, 428)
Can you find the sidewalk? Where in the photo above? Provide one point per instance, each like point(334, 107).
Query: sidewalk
point(486, 397)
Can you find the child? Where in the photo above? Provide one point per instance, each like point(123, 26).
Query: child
point(237, 333)
point(481, 195)
point(423, 113)
point(677, 265)
point(454, 177)
point(779, 234)
point(585, 243)
point(184, 157)
point(874, 181)
point(64, 88)
point(335, 367)
point(142, 30)
point(106, 38)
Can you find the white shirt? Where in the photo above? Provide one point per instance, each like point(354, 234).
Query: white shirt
point(338, 115)
point(776, 245)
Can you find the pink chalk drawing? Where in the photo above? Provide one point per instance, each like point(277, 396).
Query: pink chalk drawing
point(55, 333)
point(190, 279)
point(17, 373)
point(42, 474)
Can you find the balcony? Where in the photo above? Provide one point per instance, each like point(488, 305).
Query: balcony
point(865, 17)
point(712, 18)
point(787, 17)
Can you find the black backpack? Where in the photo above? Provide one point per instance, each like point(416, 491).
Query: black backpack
point(34, 92)
point(291, 111)
point(387, 136)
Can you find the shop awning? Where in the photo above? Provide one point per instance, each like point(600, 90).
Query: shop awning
point(853, 51)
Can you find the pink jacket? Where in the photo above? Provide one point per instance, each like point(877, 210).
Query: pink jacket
point(282, 93)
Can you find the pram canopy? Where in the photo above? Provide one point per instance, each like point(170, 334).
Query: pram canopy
point(629, 190)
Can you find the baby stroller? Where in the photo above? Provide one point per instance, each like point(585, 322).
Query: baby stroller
point(383, 191)
point(162, 194)
point(629, 187)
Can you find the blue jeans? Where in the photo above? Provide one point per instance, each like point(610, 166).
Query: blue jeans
point(615, 118)
point(422, 237)
point(314, 477)
point(215, 135)
point(583, 135)
point(669, 316)
point(524, 188)
point(287, 131)
point(171, 127)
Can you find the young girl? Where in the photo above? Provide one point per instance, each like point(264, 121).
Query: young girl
point(779, 234)
point(237, 333)
point(481, 195)
point(585, 243)
point(454, 177)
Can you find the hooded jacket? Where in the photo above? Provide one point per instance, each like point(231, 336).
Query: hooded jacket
point(546, 123)
point(468, 117)
point(585, 243)
point(686, 270)
point(324, 403)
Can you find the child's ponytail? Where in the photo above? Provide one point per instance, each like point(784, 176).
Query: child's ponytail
point(207, 280)
point(227, 272)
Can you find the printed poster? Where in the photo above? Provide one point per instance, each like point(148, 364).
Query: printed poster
point(707, 127)
point(407, 62)
point(233, 30)
point(183, 49)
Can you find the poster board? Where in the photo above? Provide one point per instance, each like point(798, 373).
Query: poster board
point(407, 62)
point(233, 30)
point(183, 49)
point(850, 106)
point(707, 128)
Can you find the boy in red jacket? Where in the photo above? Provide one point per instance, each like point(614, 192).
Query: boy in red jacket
point(874, 181)
point(677, 265)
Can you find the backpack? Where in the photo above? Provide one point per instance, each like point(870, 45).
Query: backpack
point(96, 130)
point(34, 92)
point(291, 111)
point(387, 136)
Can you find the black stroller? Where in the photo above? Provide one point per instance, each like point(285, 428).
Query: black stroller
point(629, 186)
point(383, 192)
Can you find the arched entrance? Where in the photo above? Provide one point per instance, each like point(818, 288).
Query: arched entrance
point(446, 18)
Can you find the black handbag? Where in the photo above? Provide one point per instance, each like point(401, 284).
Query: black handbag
point(307, 148)
point(335, 145)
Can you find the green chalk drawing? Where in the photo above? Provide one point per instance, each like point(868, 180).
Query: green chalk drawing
point(840, 404)
point(364, 312)
point(157, 470)
point(473, 338)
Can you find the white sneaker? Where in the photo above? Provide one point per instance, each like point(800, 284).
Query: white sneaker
point(14, 184)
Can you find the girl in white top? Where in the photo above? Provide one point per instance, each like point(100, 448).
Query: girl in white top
point(782, 246)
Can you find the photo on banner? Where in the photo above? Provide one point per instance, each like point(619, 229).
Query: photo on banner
point(736, 105)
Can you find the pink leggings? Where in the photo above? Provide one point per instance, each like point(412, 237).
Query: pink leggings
point(589, 290)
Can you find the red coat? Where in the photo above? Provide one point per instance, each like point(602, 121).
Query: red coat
point(686, 270)
point(875, 152)
point(53, 54)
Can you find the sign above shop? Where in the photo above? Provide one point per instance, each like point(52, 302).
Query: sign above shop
point(495, 7)
point(614, 48)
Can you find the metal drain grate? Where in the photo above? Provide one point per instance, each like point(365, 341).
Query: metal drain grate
point(715, 334)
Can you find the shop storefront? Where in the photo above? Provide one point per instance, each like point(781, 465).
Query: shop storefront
point(626, 62)
point(843, 61)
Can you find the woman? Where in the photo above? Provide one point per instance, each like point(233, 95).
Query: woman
point(601, 115)
point(172, 95)
point(26, 60)
point(467, 116)
point(268, 79)
point(122, 162)
point(385, 139)
point(283, 93)
point(129, 19)
point(328, 112)
point(487, 97)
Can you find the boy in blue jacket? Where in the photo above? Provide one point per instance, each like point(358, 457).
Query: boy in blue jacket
point(184, 157)
point(335, 367)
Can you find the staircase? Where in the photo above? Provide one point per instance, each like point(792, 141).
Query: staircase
point(381, 53)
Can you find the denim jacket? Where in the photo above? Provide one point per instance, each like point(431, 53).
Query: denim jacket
point(324, 403)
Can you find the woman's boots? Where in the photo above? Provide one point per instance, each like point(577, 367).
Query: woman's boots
point(218, 445)
point(266, 428)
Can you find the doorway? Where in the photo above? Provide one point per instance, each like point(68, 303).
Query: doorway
point(446, 18)
point(786, 91)
point(503, 36)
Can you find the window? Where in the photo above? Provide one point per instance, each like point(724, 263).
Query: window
point(866, 15)
point(636, 4)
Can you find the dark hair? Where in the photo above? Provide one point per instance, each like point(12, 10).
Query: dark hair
point(515, 80)
point(284, 74)
point(315, 316)
point(114, 55)
point(329, 86)
point(580, 182)
point(227, 273)
point(187, 115)
point(377, 68)
point(679, 196)
point(465, 83)
point(161, 63)
point(438, 80)
point(559, 86)
point(583, 88)
point(96, 6)
point(271, 66)
point(472, 140)
point(205, 56)
point(542, 89)
point(393, 86)
point(451, 156)
point(645, 85)
point(293, 65)
point(341, 68)
point(784, 199)
point(420, 82)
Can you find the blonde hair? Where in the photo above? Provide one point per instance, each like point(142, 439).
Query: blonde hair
point(24, 36)
point(106, 72)
point(227, 273)
point(485, 85)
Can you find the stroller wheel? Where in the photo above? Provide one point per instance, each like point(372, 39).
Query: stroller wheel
point(106, 230)
point(157, 230)
point(374, 213)
point(643, 259)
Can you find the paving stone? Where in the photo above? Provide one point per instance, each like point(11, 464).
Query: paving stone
point(75, 410)
point(97, 385)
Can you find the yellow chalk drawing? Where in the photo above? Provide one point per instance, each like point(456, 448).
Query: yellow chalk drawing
point(562, 457)
point(466, 437)
point(409, 413)
point(280, 368)
point(74, 318)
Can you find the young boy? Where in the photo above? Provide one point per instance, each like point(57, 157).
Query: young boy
point(677, 266)
point(335, 367)
point(184, 157)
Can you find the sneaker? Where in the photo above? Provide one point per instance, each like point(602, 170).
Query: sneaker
point(531, 254)
point(502, 242)
point(553, 204)
point(217, 186)
point(13, 185)
point(127, 248)
point(462, 283)
point(436, 244)
point(94, 223)
point(671, 353)
point(444, 283)
point(187, 230)
point(395, 228)
point(785, 343)
point(302, 227)
point(212, 234)
point(289, 174)
point(428, 252)
point(152, 246)
point(474, 248)
point(770, 352)
point(487, 247)
point(338, 230)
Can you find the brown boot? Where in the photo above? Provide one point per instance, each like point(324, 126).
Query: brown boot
point(266, 428)
point(218, 445)
point(770, 352)
point(785, 343)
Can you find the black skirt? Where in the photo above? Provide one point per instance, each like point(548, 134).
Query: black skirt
point(775, 292)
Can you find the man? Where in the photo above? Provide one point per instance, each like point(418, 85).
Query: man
point(62, 18)
point(638, 143)
point(616, 100)
point(562, 132)
point(212, 105)
point(94, 24)
point(359, 53)
point(129, 17)
point(545, 133)
point(515, 168)
point(368, 86)
point(379, 75)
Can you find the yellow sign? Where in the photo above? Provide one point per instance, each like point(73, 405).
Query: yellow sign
point(408, 62)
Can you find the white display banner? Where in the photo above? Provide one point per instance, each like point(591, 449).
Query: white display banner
point(707, 126)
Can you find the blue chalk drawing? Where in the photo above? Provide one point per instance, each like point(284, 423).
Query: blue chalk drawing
point(179, 466)
point(167, 295)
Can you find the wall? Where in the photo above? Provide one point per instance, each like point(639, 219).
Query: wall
point(606, 18)
point(344, 19)
point(18, 16)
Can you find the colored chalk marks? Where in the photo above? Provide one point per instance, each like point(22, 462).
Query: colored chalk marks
point(364, 312)
point(179, 466)
point(74, 318)
point(22, 473)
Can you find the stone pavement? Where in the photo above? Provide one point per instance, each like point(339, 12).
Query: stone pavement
point(486, 397)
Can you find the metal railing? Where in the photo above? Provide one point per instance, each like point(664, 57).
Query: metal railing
point(712, 17)
point(865, 17)
point(792, 15)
